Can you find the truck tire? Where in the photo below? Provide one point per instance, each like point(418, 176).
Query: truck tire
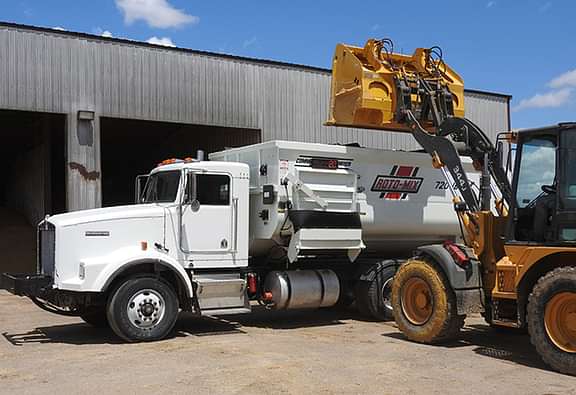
point(373, 297)
point(96, 317)
point(424, 303)
point(552, 319)
point(142, 309)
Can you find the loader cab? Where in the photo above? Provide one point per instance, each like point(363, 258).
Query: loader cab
point(544, 184)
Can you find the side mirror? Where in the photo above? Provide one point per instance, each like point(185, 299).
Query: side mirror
point(190, 190)
point(139, 187)
point(500, 153)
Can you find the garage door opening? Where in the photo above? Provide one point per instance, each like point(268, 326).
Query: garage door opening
point(132, 147)
point(32, 159)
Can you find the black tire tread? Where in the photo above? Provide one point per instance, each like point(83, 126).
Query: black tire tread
point(559, 360)
point(376, 310)
point(367, 292)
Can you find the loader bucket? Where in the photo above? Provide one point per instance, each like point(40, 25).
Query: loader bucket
point(371, 87)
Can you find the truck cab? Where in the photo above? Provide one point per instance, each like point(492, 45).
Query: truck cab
point(191, 216)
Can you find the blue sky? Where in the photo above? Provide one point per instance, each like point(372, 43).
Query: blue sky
point(525, 48)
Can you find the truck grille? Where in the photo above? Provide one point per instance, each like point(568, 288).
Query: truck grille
point(46, 248)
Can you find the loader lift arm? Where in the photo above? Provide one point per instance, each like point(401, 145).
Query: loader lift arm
point(419, 94)
point(480, 149)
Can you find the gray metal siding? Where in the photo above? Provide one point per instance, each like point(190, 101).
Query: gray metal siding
point(55, 72)
point(490, 112)
point(59, 72)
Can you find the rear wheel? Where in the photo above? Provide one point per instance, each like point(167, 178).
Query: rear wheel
point(373, 297)
point(143, 309)
point(424, 304)
point(552, 319)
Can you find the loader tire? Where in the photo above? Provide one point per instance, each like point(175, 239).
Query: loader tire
point(424, 303)
point(552, 319)
point(142, 308)
point(96, 317)
point(373, 296)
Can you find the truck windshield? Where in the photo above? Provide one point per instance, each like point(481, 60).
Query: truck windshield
point(161, 187)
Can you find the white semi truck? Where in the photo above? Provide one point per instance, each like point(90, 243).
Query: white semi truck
point(289, 225)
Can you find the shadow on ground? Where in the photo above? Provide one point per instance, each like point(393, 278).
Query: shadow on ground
point(503, 344)
point(188, 325)
point(294, 319)
point(77, 334)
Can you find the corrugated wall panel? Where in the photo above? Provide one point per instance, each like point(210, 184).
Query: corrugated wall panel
point(489, 112)
point(296, 106)
point(51, 71)
point(56, 72)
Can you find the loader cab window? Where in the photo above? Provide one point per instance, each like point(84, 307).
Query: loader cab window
point(536, 188)
point(162, 187)
point(213, 189)
point(538, 168)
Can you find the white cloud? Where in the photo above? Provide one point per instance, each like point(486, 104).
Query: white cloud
point(102, 32)
point(375, 27)
point(249, 43)
point(165, 41)
point(59, 28)
point(156, 13)
point(546, 100)
point(568, 79)
point(490, 4)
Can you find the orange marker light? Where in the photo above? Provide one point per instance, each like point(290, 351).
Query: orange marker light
point(144, 245)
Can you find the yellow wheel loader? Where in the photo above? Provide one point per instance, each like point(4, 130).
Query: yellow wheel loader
point(516, 263)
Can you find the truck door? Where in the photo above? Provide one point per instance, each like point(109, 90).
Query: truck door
point(207, 233)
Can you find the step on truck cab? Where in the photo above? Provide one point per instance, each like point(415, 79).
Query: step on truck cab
point(289, 225)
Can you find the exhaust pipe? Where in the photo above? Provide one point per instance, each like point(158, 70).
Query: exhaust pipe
point(200, 155)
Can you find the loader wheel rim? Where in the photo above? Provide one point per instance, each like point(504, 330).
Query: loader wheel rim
point(146, 309)
point(560, 321)
point(417, 301)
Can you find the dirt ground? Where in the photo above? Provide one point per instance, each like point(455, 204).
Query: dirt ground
point(266, 352)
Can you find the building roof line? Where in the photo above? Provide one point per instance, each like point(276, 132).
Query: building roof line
point(18, 26)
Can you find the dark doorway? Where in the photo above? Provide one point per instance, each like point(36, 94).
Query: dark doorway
point(133, 147)
point(33, 160)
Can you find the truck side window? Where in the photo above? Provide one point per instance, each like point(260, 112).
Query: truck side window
point(213, 189)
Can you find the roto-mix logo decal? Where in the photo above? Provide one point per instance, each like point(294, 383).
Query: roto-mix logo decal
point(401, 181)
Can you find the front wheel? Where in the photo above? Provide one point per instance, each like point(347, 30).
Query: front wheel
point(143, 309)
point(424, 304)
point(552, 319)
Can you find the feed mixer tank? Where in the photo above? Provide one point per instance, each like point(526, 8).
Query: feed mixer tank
point(400, 199)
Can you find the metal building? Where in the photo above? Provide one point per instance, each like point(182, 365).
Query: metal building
point(80, 115)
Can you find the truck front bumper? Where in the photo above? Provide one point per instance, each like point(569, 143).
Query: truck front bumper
point(24, 284)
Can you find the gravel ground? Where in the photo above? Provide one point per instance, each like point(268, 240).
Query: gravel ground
point(266, 352)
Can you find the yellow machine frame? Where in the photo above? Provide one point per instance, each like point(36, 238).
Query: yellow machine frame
point(365, 80)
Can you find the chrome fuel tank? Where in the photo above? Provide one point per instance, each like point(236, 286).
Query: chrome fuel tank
point(302, 289)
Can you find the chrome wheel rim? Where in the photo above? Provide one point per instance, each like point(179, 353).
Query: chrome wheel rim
point(386, 295)
point(146, 309)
